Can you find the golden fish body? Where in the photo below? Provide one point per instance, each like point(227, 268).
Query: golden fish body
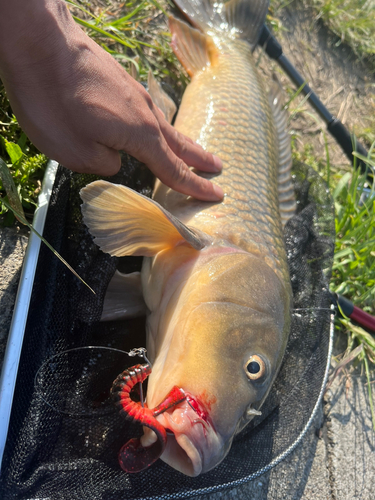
point(226, 109)
point(236, 294)
point(215, 278)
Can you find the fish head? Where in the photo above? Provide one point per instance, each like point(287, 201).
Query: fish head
point(223, 347)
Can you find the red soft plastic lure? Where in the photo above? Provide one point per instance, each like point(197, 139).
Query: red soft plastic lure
point(133, 457)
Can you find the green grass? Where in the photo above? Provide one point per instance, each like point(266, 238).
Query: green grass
point(24, 161)
point(353, 273)
point(136, 35)
point(353, 21)
point(354, 265)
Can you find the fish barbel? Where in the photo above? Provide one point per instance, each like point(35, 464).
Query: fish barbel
point(215, 280)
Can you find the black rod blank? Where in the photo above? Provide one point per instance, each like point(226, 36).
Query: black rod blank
point(348, 142)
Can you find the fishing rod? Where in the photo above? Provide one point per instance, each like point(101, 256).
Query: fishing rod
point(346, 308)
point(345, 139)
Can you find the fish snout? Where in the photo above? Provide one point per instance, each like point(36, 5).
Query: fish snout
point(193, 446)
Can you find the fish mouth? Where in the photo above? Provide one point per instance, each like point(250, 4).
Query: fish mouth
point(193, 446)
point(182, 454)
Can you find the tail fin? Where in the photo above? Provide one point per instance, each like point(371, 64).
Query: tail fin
point(242, 18)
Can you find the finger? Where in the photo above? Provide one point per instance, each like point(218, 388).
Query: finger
point(191, 141)
point(173, 172)
point(187, 182)
point(161, 118)
point(189, 151)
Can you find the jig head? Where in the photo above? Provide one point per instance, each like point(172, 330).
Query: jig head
point(133, 457)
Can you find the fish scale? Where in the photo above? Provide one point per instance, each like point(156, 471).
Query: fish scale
point(240, 130)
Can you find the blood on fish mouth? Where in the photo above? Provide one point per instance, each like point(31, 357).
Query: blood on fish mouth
point(197, 407)
point(203, 417)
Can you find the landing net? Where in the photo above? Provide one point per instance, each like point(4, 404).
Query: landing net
point(64, 436)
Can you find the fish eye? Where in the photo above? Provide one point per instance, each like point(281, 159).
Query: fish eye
point(255, 367)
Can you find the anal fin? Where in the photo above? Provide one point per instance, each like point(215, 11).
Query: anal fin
point(190, 45)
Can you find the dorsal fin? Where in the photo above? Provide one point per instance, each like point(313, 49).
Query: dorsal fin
point(287, 200)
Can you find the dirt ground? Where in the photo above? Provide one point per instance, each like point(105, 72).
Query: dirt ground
point(344, 84)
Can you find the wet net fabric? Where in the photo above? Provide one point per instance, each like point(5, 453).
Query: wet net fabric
point(64, 433)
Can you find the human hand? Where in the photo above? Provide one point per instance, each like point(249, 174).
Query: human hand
point(80, 107)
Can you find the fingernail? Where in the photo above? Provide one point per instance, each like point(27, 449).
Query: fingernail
point(218, 192)
point(218, 163)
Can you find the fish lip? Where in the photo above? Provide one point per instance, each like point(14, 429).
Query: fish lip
point(192, 441)
point(194, 453)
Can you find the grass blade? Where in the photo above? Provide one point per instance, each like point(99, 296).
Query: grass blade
point(123, 19)
point(367, 370)
point(11, 190)
point(22, 219)
point(107, 34)
point(345, 361)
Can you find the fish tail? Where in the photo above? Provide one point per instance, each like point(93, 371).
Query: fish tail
point(237, 18)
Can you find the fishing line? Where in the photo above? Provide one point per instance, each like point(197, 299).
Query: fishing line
point(77, 381)
point(312, 309)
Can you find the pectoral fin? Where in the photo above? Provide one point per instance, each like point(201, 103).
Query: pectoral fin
point(124, 222)
point(123, 298)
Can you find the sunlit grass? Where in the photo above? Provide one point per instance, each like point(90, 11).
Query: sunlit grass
point(136, 33)
point(353, 21)
point(25, 163)
point(354, 265)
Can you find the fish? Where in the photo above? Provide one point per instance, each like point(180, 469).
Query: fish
point(214, 280)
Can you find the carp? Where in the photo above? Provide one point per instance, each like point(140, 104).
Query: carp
point(215, 279)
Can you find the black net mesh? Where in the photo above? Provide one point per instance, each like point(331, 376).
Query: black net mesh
point(64, 434)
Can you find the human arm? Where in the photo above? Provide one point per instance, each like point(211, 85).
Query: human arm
point(80, 107)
